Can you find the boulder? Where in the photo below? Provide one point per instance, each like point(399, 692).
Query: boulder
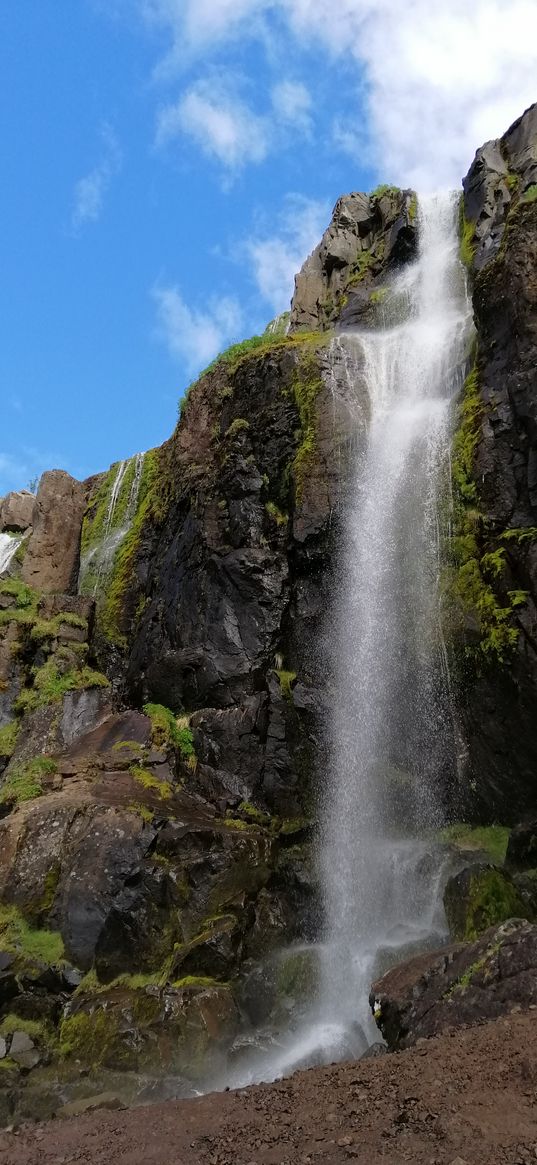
point(522, 847)
point(17, 511)
point(53, 552)
point(478, 897)
point(462, 984)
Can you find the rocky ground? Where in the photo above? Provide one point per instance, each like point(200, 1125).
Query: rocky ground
point(467, 1098)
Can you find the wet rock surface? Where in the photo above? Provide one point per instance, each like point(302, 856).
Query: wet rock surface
point(498, 709)
point(462, 984)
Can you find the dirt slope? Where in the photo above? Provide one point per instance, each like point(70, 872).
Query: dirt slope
point(469, 1097)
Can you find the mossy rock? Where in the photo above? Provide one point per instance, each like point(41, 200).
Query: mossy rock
point(150, 1029)
point(479, 897)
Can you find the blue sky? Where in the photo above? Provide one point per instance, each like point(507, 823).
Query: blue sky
point(168, 164)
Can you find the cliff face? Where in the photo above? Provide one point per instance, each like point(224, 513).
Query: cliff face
point(161, 729)
point(499, 448)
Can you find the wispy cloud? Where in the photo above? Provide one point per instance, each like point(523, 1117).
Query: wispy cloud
point(276, 258)
point(214, 115)
point(90, 191)
point(436, 81)
point(218, 122)
point(195, 336)
point(292, 105)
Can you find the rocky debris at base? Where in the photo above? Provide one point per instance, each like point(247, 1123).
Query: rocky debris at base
point(465, 983)
point(467, 1098)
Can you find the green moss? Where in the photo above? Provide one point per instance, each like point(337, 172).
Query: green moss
point(8, 738)
point(492, 899)
point(26, 781)
point(383, 189)
point(236, 823)
point(286, 680)
point(379, 295)
point(130, 745)
point(360, 268)
point(239, 425)
point(148, 781)
point(142, 811)
point(18, 938)
point(198, 982)
point(466, 236)
point(519, 534)
point(490, 838)
point(44, 629)
point(255, 815)
point(276, 514)
point(307, 385)
point(470, 411)
point(36, 1029)
point(50, 685)
point(469, 583)
point(168, 730)
point(413, 208)
point(24, 595)
point(512, 181)
point(530, 195)
point(91, 1037)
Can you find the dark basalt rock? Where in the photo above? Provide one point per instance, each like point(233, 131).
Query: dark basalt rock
point(498, 708)
point(522, 847)
point(480, 897)
point(462, 984)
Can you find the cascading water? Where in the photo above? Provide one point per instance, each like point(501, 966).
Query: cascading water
point(9, 544)
point(391, 731)
point(391, 734)
point(96, 562)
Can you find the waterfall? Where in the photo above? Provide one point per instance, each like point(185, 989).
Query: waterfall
point(391, 735)
point(121, 503)
point(9, 544)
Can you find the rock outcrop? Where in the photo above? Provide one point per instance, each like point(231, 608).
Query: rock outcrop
point(342, 280)
point(17, 511)
point(462, 984)
point(496, 482)
point(53, 552)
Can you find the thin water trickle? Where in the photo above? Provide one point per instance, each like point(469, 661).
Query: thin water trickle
point(96, 564)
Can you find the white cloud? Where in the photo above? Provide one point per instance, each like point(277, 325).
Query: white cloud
point(193, 336)
point(275, 259)
point(439, 80)
point(225, 128)
point(90, 190)
point(291, 102)
point(220, 124)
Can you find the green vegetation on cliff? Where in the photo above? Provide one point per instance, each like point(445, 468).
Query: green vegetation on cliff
point(169, 730)
point(26, 780)
point(18, 938)
point(477, 561)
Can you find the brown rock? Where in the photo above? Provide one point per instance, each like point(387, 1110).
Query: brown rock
point(52, 558)
point(462, 984)
point(17, 510)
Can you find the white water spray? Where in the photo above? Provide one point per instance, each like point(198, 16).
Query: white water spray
point(391, 731)
point(9, 544)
